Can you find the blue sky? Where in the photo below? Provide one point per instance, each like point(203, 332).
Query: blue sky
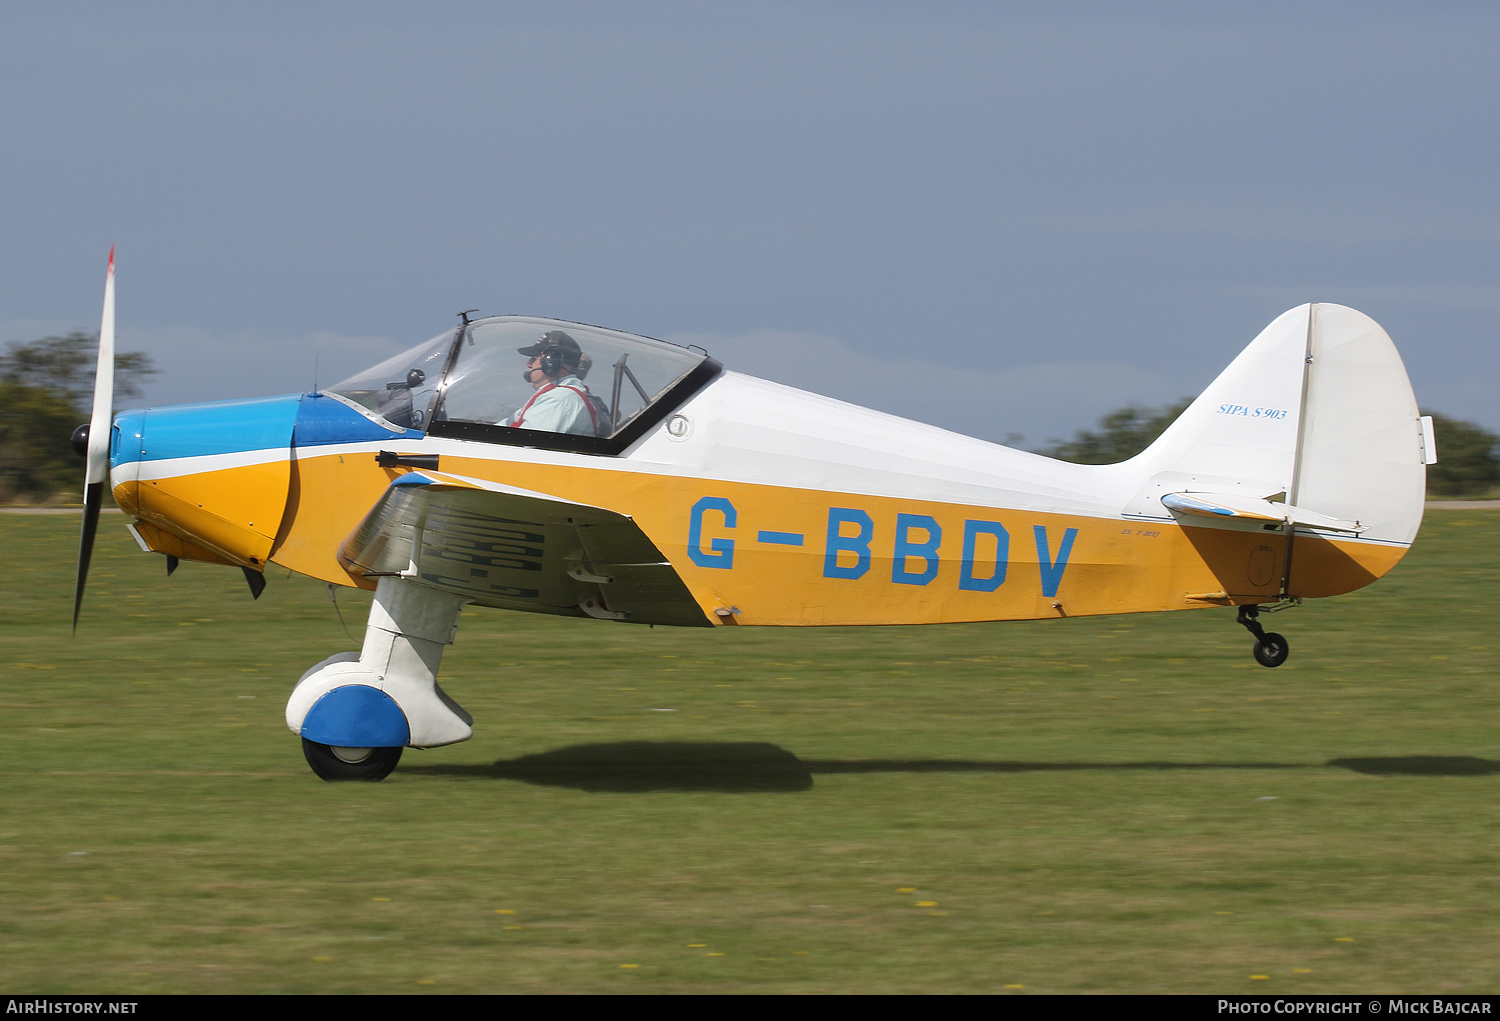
point(1000, 218)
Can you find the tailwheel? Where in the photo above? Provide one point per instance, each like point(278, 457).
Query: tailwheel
point(335, 763)
point(1270, 649)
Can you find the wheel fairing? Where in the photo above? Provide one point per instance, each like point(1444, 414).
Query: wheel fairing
point(357, 716)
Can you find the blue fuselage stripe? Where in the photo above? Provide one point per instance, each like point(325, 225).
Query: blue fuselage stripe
point(200, 430)
point(231, 427)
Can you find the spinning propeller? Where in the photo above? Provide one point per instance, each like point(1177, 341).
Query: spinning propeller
point(96, 435)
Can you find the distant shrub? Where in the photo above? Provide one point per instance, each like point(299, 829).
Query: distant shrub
point(1467, 462)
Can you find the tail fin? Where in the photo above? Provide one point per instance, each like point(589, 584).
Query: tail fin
point(1316, 415)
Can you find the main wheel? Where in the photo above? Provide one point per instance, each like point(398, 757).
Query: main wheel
point(333, 763)
point(1271, 650)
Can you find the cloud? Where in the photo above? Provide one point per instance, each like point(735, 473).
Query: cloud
point(1039, 402)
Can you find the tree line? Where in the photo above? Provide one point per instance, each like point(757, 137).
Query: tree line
point(47, 388)
point(47, 391)
point(1468, 454)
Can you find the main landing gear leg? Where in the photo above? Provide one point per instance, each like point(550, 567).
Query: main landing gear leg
point(1270, 648)
point(356, 711)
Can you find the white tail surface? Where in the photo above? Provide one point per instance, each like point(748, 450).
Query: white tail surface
point(1316, 413)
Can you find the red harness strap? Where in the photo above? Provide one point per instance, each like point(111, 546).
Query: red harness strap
point(593, 415)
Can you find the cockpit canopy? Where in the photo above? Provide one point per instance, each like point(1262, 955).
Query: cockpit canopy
point(474, 382)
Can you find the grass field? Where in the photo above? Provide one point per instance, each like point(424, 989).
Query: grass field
point(1123, 804)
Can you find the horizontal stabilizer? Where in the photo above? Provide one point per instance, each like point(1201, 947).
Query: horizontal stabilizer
point(1247, 508)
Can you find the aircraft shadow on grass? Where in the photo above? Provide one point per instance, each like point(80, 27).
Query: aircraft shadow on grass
point(761, 767)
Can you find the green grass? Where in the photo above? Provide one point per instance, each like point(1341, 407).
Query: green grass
point(1123, 804)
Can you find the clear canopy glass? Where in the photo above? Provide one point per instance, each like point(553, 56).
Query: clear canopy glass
point(525, 372)
point(400, 389)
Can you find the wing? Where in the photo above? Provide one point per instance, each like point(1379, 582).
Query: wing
point(519, 550)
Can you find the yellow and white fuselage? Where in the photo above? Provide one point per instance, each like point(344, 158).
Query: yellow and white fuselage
point(729, 500)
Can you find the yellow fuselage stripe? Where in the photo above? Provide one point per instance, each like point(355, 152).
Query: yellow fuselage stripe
point(794, 556)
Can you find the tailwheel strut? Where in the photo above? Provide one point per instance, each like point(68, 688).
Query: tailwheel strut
point(1270, 648)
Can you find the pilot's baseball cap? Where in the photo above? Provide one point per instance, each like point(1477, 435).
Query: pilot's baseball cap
point(558, 339)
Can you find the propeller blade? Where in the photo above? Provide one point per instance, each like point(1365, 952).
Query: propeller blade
point(96, 472)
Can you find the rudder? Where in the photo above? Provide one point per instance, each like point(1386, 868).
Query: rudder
point(1362, 452)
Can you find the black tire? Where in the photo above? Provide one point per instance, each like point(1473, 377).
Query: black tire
point(348, 763)
point(1271, 650)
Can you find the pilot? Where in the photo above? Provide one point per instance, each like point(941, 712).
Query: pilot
point(562, 403)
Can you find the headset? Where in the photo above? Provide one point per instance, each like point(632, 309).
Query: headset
point(553, 358)
point(552, 361)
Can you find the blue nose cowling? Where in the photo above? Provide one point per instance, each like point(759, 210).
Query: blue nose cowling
point(227, 427)
point(125, 441)
point(198, 430)
point(322, 420)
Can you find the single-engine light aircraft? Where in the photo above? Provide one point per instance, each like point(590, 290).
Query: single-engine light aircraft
point(548, 466)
